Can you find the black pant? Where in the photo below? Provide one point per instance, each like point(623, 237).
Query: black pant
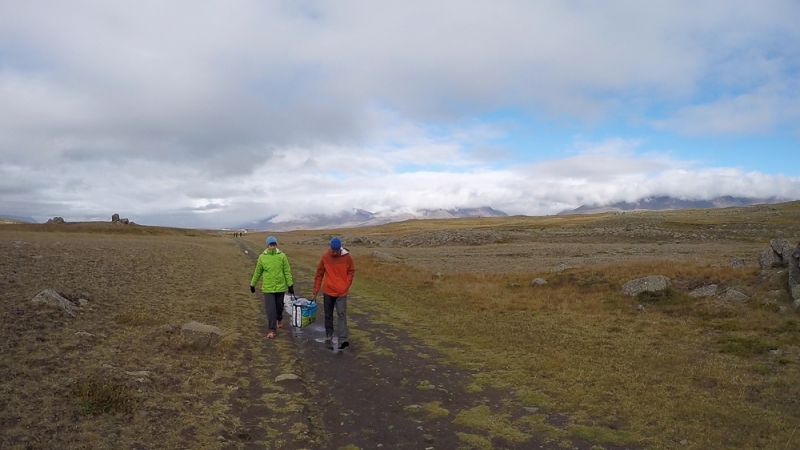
point(340, 304)
point(273, 304)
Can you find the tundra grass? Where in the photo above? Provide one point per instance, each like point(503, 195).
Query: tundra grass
point(681, 372)
point(127, 379)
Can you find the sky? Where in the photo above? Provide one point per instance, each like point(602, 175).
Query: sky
point(218, 113)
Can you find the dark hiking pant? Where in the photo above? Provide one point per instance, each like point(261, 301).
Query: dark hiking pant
point(273, 304)
point(340, 305)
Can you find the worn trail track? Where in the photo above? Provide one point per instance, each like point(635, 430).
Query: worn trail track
point(388, 390)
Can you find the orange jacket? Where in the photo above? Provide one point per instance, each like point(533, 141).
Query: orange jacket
point(337, 271)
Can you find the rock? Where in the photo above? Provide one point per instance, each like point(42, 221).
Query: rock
point(83, 334)
point(653, 283)
point(115, 217)
point(55, 220)
point(796, 304)
point(768, 259)
point(384, 256)
point(200, 334)
point(138, 373)
point(793, 264)
point(640, 307)
point(538, 282)
point(737, 263)
point(83, 302)
point(514, 285)
point(53, 299)
point(560, 267)
point(781, 246)
point(286, 377)
point(733, 294)
point(705, 291)
point(124, 221)
point(530, 409)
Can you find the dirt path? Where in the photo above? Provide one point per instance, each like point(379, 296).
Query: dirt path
point(391, 391)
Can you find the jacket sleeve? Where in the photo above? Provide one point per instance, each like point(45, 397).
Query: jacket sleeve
point(257, 273)
point(287, 271)
point(351, 272)
point(319, 274)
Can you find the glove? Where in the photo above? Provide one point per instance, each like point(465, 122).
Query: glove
point(291, 289)
point(252, 289)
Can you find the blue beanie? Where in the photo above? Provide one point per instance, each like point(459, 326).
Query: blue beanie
point(336, 244)
point(272, 240)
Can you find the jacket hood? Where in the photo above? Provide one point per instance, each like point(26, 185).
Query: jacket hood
point(344, 252)
point(266, 251)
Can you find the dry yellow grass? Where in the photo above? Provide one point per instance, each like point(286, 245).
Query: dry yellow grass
point(60, 389)
point(706, 372)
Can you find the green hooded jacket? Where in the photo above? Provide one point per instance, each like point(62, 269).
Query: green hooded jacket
point(273, 269)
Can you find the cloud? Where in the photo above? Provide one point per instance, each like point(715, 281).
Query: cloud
point(248, 108)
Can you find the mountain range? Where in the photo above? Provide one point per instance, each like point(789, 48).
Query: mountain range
point(664, 203)
point(361, 218)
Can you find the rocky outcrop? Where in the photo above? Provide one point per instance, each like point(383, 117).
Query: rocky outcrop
point(785, 255)
point(52, 299)
point(653, 283)
point(56, 220)
point(120, 221)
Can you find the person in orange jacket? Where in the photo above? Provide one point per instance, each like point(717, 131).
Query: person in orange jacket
point(335, 273)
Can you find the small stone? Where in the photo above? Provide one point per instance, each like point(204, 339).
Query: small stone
point(640, 307)
point(530, 409)
point(285, 377)
point(221, 438)
point(538, 282)
point(83, 334)
point(684, 442)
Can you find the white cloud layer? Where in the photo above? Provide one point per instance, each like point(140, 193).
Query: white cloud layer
point(207, 113)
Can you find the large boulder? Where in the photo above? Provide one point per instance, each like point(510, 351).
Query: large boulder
point(55, 220)
point(769, 258)
point(53, 299)
point(115, 217)
point(653, 283)
point(792, 261)
point(782, 247)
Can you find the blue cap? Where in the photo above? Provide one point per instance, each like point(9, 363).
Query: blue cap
point(272, 240)
point(336, 244)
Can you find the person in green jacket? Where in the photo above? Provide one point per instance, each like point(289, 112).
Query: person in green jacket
point(276, 278)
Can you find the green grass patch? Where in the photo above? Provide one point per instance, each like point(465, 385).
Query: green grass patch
point(100, 395)
point(602, 434)
point(475, 442)
point(745, 346)
point(497, 425)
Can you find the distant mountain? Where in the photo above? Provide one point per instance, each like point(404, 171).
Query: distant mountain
point(20, 218)
point(666, 203)
point(360, 218)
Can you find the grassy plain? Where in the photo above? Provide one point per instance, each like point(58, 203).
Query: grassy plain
point(119, 375)
point(679, 372)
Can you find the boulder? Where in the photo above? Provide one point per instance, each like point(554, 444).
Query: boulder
point(782, 247)
point(733, 294)
point(653, 283)
point(286, 377)
point(53, 299)
point(55, 220)
point(560, 267)
point(705, 291)
point(768, 259)
point(538, 282)
point(200, 334)
point(792, 261)
point(384, 256)
point(115, 217)
point(124, 221)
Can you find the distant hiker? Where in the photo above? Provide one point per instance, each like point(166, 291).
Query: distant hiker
point(337, 269)
point(276, 277)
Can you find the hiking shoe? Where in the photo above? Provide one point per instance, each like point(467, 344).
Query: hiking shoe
point(329, 342)
point(280, 324)
point(343, 345)
point(270, 335)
